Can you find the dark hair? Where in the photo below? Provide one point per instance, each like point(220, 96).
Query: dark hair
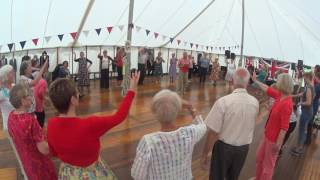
point(65, 62)
point(61, 92)
point(44, 52)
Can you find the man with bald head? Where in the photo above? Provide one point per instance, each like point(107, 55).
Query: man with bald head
point(231, 123)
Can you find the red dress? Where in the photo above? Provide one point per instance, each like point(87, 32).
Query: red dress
point(25, 132)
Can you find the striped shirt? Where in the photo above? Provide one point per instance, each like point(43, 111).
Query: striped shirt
point(167, 155)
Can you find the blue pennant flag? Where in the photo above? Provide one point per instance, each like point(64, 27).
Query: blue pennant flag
point(98, 31)
point(171, 40)
point(147, 31)
point(10, 46)
point(22, 44)
point(60, 36)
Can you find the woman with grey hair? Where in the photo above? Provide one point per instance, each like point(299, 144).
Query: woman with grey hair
point(167, 154)
point(26, 77)
point(7, 75)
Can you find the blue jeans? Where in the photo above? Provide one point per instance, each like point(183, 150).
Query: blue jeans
point(303, 125)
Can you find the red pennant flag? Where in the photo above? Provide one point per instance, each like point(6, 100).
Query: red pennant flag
point(109, 29)
point(156, 35)
point(35, 41)
point(74, 35)
point(179, 41)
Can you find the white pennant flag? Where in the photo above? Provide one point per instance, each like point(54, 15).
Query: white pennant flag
point(86, 33)
point(138, 28)
point(121, 27)
point(47, 38)
point(164, 37)
point(201, 46)
point(185, 43)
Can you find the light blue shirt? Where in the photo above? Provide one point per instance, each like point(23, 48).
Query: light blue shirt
point(204, 63)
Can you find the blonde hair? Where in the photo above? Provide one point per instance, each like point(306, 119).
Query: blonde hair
point(165, 105)
point(285, 83)
point(308, 75)
point(17, 93)
point(4, 71)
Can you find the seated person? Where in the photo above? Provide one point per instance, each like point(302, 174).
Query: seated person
point(167, 154)
point(28, 137)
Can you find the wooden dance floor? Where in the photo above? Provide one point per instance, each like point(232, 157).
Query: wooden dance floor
point(119, 144)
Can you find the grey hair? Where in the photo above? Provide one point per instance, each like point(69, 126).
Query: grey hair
point(4, 71)
point(23, 67)
point(165, 105)
point(241, 80)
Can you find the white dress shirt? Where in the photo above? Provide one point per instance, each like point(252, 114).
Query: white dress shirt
point(167, 155)
point(233, 117)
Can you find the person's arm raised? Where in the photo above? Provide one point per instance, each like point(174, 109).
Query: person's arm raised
point(262, 86)
point(39, 75)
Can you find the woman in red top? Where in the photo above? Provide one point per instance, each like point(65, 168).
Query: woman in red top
point(183, 64)
point(76, 141)
point(28, 137)
point(276, 127)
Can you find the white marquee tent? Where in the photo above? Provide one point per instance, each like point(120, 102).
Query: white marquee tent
point(287, 30)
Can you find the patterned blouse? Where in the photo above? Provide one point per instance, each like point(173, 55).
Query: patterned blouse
point(167, 155)
point(25, 132)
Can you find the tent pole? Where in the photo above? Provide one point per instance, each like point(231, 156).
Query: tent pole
point(242, 35)
point(126, 81)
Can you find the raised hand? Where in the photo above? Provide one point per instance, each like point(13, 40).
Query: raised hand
point(134, 80)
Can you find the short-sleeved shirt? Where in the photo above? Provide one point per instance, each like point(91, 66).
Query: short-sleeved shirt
point(25, 132)
point(233, 117)
point(279, 116)
point(5, 106)
point(167, 155)
point(27, 81)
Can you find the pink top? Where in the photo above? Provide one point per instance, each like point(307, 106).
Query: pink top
point(25, 132)
point(39, 94)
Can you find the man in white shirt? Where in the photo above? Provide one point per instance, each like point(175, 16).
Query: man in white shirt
point(231, 123)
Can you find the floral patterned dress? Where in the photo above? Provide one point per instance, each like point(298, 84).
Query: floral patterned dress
point(25, 132)
point(215, 71)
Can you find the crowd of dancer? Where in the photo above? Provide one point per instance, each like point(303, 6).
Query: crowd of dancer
point(166, 154)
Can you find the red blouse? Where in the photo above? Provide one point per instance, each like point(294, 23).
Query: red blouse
point(25, 132)
point(279, 115)
point(76, 141)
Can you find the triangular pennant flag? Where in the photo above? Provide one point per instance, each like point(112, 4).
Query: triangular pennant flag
point(147, 32)
point(171, 40)
point(216, 48)
point(229, 47)
point(74, 35)
point(219, 48)
point(164, 37)
point(138, 28)
point(130, 26)
point(202, 46)
point(121, 27)
point(178, 41)
point(98, 31)
point(191, 45)
point(109, 29)
point(224, 48)
point(197, 46)
point(47, 38)
point(22, 44)
point(60, 36)
point(156, 35)
point(86, 33)
point(211, 48)
point(35, 41)
point(207, 47)
point(185, 43)
point(10, 46)
point(0, 47)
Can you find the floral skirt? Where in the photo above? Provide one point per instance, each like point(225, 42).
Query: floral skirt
point(97, 171)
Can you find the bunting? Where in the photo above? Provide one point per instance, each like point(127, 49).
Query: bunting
point(138, 28)
point(147, 32)
point(10, 46)
point(98, 31)
point(197, 46)
point(156, 35)
point(207, 47)
point(178, 41)
point(164, 37)
point(121, 27)
point(171, 40)
point(86, 33)
point(47, 38)
point(191, 45)
point(22, 44)
point(60, 36)
point(35, 41)
point(109, 29)
point(74, 35)
point(130, 26)
point(185, 43)
point(211, 48)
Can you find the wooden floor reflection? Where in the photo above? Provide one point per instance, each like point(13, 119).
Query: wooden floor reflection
point(119, 144)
